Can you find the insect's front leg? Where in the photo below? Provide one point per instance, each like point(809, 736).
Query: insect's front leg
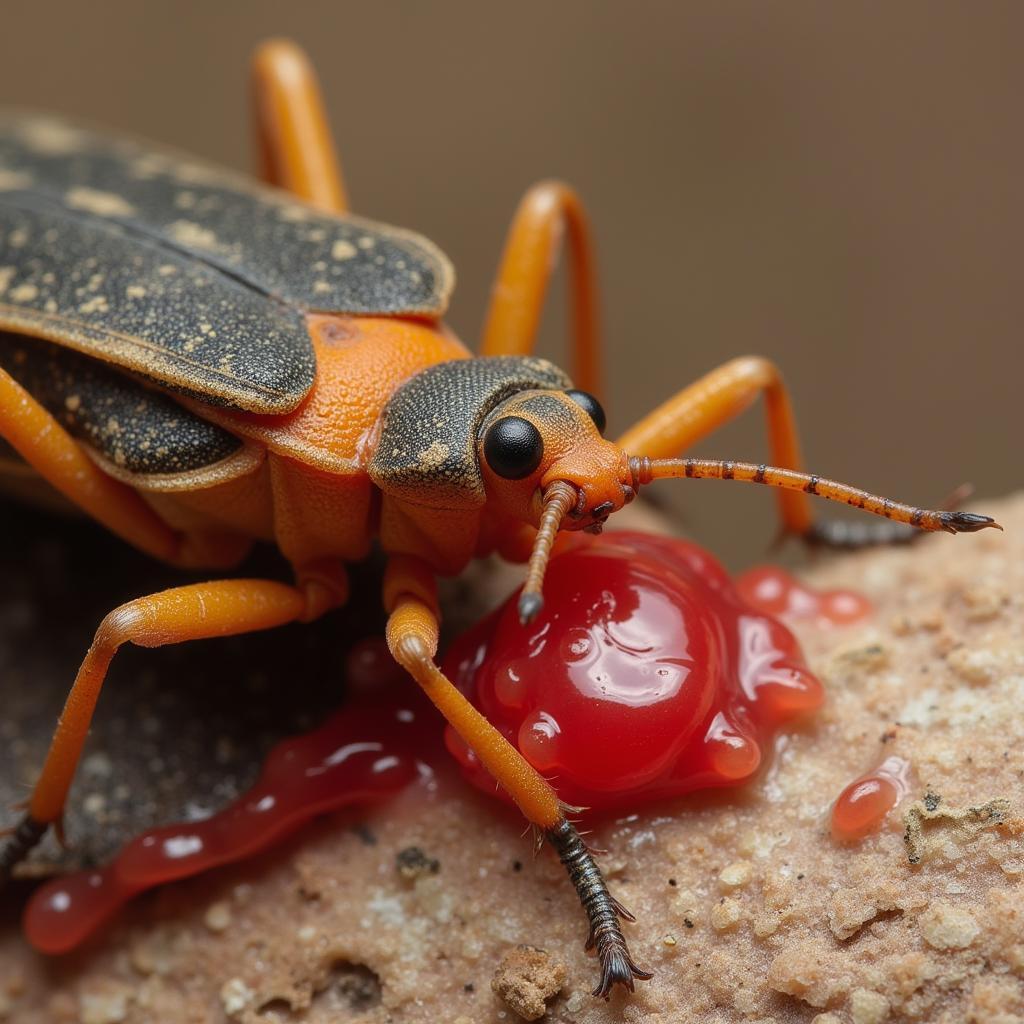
point(410, 597)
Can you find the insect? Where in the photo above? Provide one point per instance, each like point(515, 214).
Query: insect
point(200, 363)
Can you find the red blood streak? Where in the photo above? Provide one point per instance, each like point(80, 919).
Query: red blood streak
point(775, 592)
point(645, 676)
point(862, 806)
point(361, 754)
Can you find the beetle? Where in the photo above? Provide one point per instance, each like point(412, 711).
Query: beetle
point(200, 362)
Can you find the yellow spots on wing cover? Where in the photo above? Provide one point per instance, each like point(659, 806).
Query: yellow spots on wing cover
point(135, 291)
point(23, 292)
point(50, 137)
point(11, 180)
point(97, 304)
point(189, 233)
point(342, 250)
point(102, 204)
point(293, 213)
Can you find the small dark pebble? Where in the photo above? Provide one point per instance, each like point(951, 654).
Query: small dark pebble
point(365, 835)
point(412, 862)
point(672, 882)
point(517, 865)
point(687, 922)
point(469, 987)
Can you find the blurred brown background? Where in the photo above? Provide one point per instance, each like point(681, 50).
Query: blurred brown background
point(838, 187)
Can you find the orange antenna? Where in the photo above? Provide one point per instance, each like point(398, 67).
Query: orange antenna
point(558, 499)
point(644, 470)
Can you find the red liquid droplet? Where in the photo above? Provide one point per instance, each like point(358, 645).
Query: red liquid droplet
point(361, 754)
point(862, 806)
point(775, 592)
point(645, 676)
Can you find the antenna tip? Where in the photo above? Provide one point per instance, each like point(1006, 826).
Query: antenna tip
point(529, 607)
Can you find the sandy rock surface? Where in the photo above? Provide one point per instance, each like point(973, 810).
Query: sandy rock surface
point(748, 909)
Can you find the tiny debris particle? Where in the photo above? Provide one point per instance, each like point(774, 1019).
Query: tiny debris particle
point(669, 940)
point(983, 601)
point(413, 863)
point(945, 926)
point(725, 914)
point(526, 978)
point(964, 821)
point(978, 667)
point(867, 1007)
point(236, 996)
point(108, 1005)
point(218, 916)
point(307, 933)
point(736, 874)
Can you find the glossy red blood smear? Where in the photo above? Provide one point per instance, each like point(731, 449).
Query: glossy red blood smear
point(775, 592)
point(363, 753)
point(645, 676)
point(862, 806)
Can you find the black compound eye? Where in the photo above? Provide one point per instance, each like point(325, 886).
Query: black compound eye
point(587, 401)
point(513, 447)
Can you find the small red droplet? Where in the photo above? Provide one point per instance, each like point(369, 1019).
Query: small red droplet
point(862, 806)
point(775, 592)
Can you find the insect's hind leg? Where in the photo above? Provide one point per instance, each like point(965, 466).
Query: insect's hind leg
point(412, 633)
point(195, 612)
point(720, 396)
point(293, 134)
point(549, 210)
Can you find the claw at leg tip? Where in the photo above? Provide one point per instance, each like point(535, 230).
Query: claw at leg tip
point(530, 606)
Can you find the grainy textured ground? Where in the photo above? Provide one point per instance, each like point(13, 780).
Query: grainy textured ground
point(747, 909)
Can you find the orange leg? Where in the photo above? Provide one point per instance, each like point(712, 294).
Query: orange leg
point(720, 396)
point(410, 599)
point(196, 612)
point(60, 460)
point(546, 212)
point(295, 145)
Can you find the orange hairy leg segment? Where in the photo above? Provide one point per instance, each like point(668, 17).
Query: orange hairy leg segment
point(62, 462)
point(709, 403)
point(296, 149)
point(195, 612)
point(645, 470)
point(412, 634)
point(548, 211)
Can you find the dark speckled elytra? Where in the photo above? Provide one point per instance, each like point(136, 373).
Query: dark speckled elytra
point(188, 274)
